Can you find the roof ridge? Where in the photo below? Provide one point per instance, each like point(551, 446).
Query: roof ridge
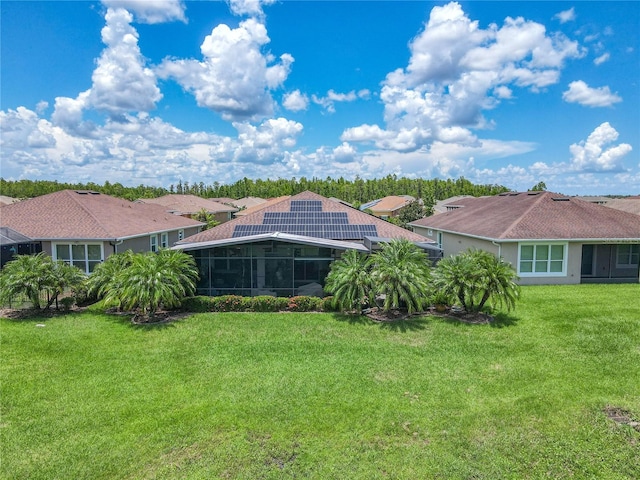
point(513, 225)
point(88, 211)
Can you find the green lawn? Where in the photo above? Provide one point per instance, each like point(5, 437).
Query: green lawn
point(271, 396)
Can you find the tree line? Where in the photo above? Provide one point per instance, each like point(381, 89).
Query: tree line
point(355, 191)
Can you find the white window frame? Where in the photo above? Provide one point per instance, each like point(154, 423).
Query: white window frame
point(546, 273)
point(439, 239)
point(632, 256)
point(164, 240)
point(153, 243)
point(82, 264)
point(181, 234)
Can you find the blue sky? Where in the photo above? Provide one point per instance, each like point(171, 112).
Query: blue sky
point(153, 91)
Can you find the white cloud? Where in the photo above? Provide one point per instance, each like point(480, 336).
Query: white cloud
point(566, 15)
point(295, 101)
point(121, 82)
point(328, 102)
point(344, 153)
point(151, 11)
point(580, 92)
point(235, 79)
point(602, 58)
point(248, 7)
point(265, 142)
point(594, 155)
point(458, 70)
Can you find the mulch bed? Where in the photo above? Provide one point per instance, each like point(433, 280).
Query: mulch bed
point(378, 315)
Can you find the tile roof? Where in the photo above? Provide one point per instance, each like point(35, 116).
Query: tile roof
point(354, 217)
point(70, 214)
point(188, 204)
point(535, 215)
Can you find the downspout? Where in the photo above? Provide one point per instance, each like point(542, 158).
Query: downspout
point(499, 245)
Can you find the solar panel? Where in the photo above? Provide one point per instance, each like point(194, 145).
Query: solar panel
point(307, 218)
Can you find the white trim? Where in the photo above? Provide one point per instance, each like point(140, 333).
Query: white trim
point(85, 261)
point(631, 253)
point(153, 243)
point(547, 273)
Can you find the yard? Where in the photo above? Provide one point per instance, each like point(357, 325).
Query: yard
point(327, 396)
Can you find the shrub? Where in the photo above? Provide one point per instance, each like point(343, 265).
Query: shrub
point(267, 303)
point(197, 304)
point(67, 303)
point(329, 304)
point(303, 303)
point(230, 303)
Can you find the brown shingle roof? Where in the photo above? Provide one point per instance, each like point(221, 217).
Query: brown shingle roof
point(354, 216)
point(188, 204)
point(535, 215)
point(260, 206)
point(70, 214)
point(391, 203)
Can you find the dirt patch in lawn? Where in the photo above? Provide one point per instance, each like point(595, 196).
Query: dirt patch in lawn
point(622, 417)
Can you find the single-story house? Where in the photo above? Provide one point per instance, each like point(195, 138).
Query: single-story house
point(84, 227)
point(387, 207)
point(4, 200)
point(190, 205)
point(549, 238)
point(14, 243)
point(249, 209)
point(286, 248)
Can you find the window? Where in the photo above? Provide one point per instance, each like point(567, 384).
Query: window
point(153, 243)
point(164, 240)
point(180, 234)
point(542, 259)
point(439, 237)
point(627, 256)
point(83, 256)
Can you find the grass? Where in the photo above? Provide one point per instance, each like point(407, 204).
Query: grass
point(271, 396)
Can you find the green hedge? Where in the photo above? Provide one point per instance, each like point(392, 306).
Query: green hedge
point(262, 303)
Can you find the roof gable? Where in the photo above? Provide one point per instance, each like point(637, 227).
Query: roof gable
point(188, 204)
point(534, 215)
point(266, 220)
point(70, 214)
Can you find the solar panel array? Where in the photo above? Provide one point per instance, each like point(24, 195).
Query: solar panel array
point(307, 218)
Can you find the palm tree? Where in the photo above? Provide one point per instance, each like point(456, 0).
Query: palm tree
point(476, 277)
point(27, 275)
point(105, 275)
point(62, 276)
point(153, 280)
point(401, 273)
point(349, 281)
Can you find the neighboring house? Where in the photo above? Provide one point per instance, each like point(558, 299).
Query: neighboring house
point(4, 200)
point(248, 202)
point(259, 206)
point(14, 243)
point(83, 228)
point(548, 238)
point(631, 205)
point(190, 205)
point(388, 206)
point(287, 248)
point(448, 204)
